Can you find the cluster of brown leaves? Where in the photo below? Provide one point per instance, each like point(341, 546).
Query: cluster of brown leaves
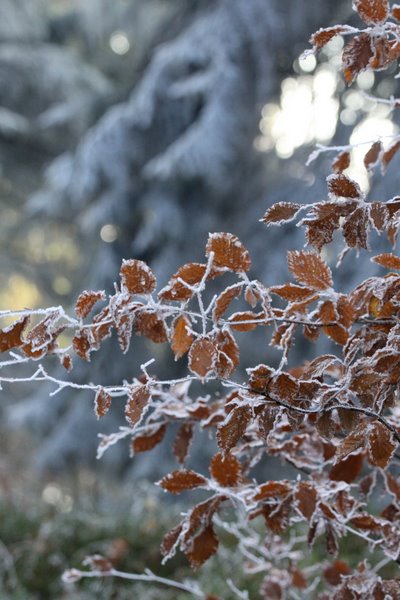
point(374, 48)
point(334, 419)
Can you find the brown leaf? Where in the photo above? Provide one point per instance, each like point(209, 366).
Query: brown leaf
point(276, 514)
point(202, 548)
point(81, 344)
point(396, 11)
point(298, 579)
point(356, 56)
point(381, 445)
point(284, 387)
point(234, 426)
point(242, 321)
point(183, 441)
point(226, 470)
point(149, 324)
point(366, 522)
point(372, 156)
point(271, 489)
point(354, 441)
point(341, 162)
point(260, 378)
point(348, 469)
point(282, 212)
point(355, 228)
point(144, 443)
point(337, 333)
point(102, 403)
point(372, 11)
point(86, 301)
point(181, 337)
point(347, 314)
point(341, 186)
point(203, 356)
point(66, 362)
point(325, 425)
point(103, 327)
point(292, 292)
point(332, 545)
point(11, 337)
point(168, 545)
point(137, 277)
point(310, 269)
point(333, 573)
point(192, 274)
point(228, 251)
point(224, 300)
point(138, 399)
point(267, 420)
point(228, 353)
point(306, 499)
point(271, 589)
point(327, 312)
point(387, 260)
point(378, 215)
point(181, 480)
point(389, 154)
point(320, 38)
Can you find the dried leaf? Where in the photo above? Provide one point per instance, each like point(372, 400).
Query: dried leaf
point(356, 56)
point(306, 499)
point(341, 162)
point(354, 441)
point(310, 269)
point(348, 469)
point(81, 344)
point(292, 292)
point(271, 489)
point(182, 480)
point(396, 11)
point(228, 353)
point(183, 441)
point(137, 277)
point(182, 338)
point(203, 357)
point(170, 541)
point(86, 301)
point(66, 362)
point(282, 212)
point(11, 337)
point(260, 378)
point(244, 321)
point(381, 445)
point(320, 38)
point(226, 470)
point(389, 154)
point(234, 426)
point(341, 186)
point(202, 548)
point(337, 333)
point(149, 324)
point(102, 403)
point(327, 312)
point(355, 228)
point(372, 156)
point(224, 300)
point(228, 251)
point(190, 273)
point(271, 589)
point(373, 12)
point(334, 572)
point(144, 443)
point(387, 260)
point(138, 399)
